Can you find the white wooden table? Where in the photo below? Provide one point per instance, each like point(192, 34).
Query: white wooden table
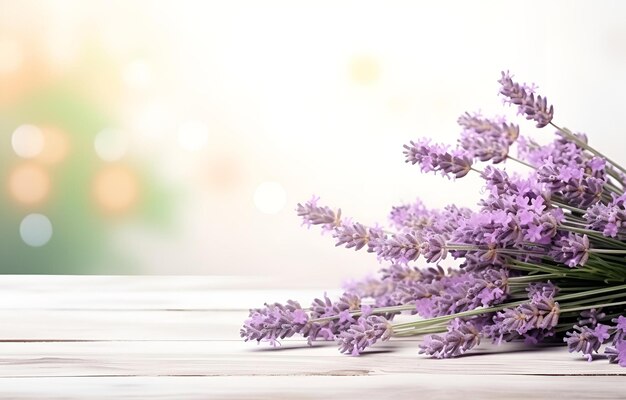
point(69, 337)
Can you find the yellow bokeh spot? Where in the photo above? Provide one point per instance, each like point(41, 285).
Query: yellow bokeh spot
point(364, 70)
point(56, 146)
point(116, 189)
point(29, 183)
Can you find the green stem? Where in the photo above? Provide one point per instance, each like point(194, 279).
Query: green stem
point(532, 278)
point(619, 303)
point(445, 318)
point(594, 299)
point(568, 207)
point(521, 162)
point(414, 325)
point(589, 293)
point(607, 251)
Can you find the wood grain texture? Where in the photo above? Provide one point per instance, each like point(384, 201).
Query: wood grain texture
point(177, 338)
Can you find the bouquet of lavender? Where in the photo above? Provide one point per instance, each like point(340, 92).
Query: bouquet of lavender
point(542, 259)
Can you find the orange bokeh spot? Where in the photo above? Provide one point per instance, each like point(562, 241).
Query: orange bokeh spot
point(29, 183)
point(223, 174)
point(56, 146)
point(116, 189)
point(364, 70)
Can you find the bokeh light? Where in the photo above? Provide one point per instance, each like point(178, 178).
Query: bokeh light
point(56, 146)
point(36, 230)
point(270, 197)
point(364, 70)
point(167, 135)
point(27, 141)
point(111, 144)
point(29, 183)
point(116, 189)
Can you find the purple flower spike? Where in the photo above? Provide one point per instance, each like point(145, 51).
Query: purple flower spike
point(367, 331)
point(435, 249)
point(273, 322)
point(537, 291)
point(620, 325)
point(457, 164)
point(434, 157)
point(571, 183)
point(400, 248)
point(586, 340)
point(609, 219)
point(572, 250)
point(312, 214)
point(487, 139)
point(498, 181)
point(357, 236)
point(590, 317)
point(538, 318)
point(523, 96)
point(497, 128)
point(461, 337)
point(617, 354)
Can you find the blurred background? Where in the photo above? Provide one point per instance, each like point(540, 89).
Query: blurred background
point(177, 137)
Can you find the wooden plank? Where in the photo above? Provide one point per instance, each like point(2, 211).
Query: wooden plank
point(119, 325)
point(400, 386)
point(145, 293)
point(177, 337)
point(32, 324)
point(235, 358)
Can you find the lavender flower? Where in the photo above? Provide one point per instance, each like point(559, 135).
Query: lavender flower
point(609, 219)
point(620, 328)
point(590, 317)
point(520, 319)
point(523, 96)
point(498, 181)
point(586, 340)
point(364, 333)
point(497, 128)
point(379, 289)
point(274, 321)
point(538, 291)
point(400, 248)
point(487, 139)
point(461, 337)
point(325, 308)
point(435, 249)
point(312, 214)
point(537, 318)
point(455, 292)
point(355, 235)
point(412, 217)
point(583, 192)
point(571, 183)
point(617, 354)
point(572, 250)
point(417, 220)
point(438, 158)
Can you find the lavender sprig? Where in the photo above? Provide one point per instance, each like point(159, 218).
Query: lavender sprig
point(542, 257)
point(523, 96)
